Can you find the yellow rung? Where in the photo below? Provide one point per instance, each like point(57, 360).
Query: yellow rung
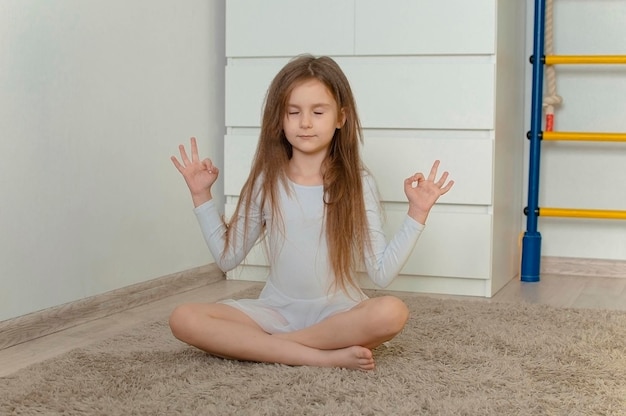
point(585, 59)
point(582, 213)
point(599, 137)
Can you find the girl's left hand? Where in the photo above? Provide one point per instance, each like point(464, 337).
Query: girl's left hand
point(423, 192)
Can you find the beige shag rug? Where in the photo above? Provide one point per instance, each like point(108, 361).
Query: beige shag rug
point(455, 357)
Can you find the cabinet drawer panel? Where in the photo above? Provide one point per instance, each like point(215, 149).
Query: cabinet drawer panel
point(469, 162)
point(288, 28)
point(423, 95)
point(407, 94)
point(246, 86)
point(391, 160)
point(442, 249)
point(238, 155)
point(451, 245)
point(426, 27)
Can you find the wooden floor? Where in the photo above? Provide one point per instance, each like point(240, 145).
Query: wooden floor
point(555, 290)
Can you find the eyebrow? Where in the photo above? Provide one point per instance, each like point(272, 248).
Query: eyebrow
point(314, 105)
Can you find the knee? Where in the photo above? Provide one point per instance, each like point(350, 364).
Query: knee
point(391, 315)
point(179, 321)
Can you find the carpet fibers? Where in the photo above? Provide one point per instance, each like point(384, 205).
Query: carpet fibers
point(455, 357)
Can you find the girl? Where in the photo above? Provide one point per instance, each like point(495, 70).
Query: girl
point(311, 200)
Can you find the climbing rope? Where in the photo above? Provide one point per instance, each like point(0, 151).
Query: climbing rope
point(552, 99)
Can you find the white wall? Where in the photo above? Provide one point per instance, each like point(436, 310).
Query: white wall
point(94, 98)
point(585, 175)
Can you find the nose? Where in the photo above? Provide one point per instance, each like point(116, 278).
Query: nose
point(305, 121)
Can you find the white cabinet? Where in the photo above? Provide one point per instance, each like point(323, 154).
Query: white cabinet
point(288, 27)
point(433, 79)
point(424, 27)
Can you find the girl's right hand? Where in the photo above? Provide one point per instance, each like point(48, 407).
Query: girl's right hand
point(200, 175)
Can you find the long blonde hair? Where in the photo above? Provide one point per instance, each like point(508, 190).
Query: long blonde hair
point(345, 216)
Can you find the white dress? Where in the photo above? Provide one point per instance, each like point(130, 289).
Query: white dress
point(298, 292)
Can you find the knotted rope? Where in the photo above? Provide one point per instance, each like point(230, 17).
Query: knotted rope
point(552, 99)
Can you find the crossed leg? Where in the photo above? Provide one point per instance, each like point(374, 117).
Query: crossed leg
point(368, 324)
point(342, 340)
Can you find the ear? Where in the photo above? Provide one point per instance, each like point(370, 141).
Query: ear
point(342, 118)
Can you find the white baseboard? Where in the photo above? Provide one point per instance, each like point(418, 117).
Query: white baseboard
point(37, 324)
point(572, 266)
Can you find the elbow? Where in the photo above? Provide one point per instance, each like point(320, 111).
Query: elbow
point(222, 260)
point(227, 263)
point(225, 266)
point(383, 285)
point(382, 282)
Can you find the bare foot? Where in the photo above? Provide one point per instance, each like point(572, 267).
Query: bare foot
point(354, 358)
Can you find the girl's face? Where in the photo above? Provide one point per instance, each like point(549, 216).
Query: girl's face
point(311, 118)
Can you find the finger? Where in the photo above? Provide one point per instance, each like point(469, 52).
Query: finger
point(433, 171)
point(446, 188)
point(194, 150)
point(177, 164)
point(414, 180)
point(210, 166)
point(442, 180)
point(419, 176)
point(183, 155)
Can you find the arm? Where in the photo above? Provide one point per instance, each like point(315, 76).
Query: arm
point(386, 260)
point(214, 233)
point(200, 175)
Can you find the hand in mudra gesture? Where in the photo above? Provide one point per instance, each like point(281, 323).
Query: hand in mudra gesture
point(423, 192)
point(200, 175)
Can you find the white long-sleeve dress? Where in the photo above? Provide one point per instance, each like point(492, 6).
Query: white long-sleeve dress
point(299, 291)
